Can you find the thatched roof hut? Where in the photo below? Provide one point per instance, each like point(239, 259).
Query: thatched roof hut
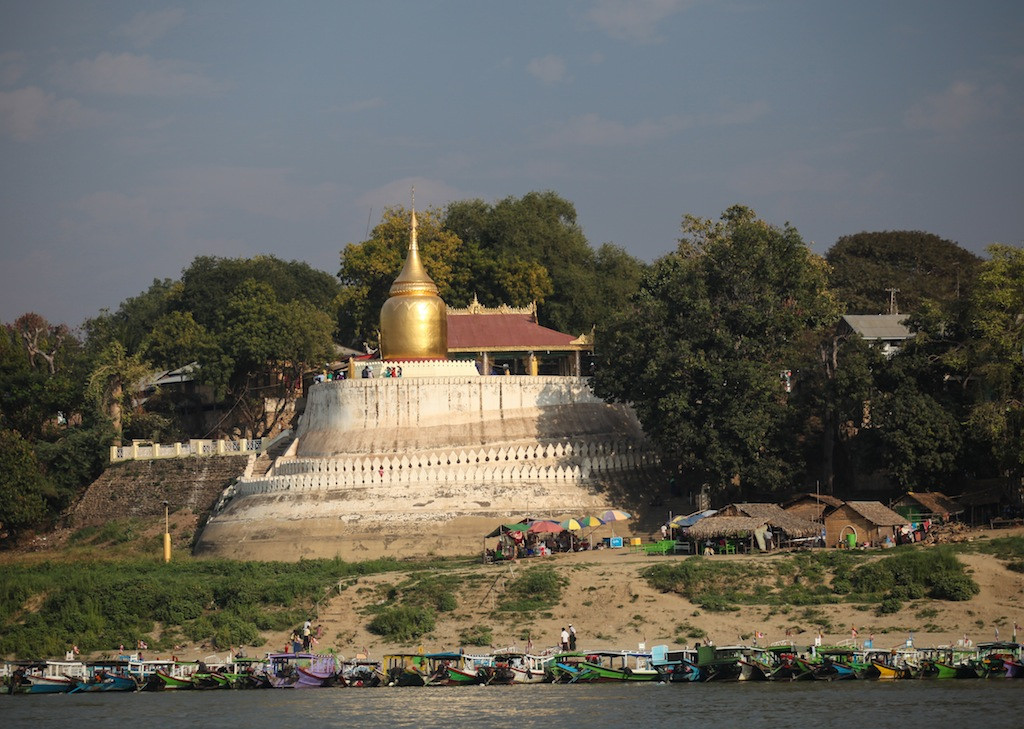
point(920, 505)
point(811, 506)
point(724, 526)
point(870, 522)
point(776, 517)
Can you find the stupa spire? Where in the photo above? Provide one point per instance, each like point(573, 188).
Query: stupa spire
point(414, 320)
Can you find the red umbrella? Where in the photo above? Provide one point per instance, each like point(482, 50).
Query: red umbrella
point(545, 527)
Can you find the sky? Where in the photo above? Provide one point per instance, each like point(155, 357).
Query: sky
point(137, 135)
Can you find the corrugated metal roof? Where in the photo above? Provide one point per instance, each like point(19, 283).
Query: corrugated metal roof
point(879, 326)
point(478, 332)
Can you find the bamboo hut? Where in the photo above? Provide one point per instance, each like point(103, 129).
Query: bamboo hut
point(811, 507)
point(870, 522)
point(791, 526)
point(921, 505)
point(714, 528)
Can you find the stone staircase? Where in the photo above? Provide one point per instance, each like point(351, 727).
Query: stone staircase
point(139, 488)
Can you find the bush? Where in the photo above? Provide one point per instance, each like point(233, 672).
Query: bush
point(956, 587)
point(476, 635)
point(402, 623)
point(888, 606)
point(538, 588)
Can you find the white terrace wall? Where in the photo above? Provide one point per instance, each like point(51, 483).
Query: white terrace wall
point(398, 414)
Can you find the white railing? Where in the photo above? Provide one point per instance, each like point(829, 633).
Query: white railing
point(143, 451)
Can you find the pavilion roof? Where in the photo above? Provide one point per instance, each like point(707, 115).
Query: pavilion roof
point(478, 328)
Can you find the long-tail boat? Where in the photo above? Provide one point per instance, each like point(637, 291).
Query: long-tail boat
point(604, 666)
point(675, 666)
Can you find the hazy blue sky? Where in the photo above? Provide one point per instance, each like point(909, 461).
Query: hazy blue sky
point(137, 135)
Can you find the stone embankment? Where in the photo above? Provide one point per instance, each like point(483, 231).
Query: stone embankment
point(139, 488)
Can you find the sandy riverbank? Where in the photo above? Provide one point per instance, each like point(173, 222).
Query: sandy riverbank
point(612, 606)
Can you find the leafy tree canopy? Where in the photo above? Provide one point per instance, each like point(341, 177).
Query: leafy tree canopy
point(699, 350)
point(921, 265)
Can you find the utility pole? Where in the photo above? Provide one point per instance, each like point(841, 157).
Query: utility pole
point(892, 300)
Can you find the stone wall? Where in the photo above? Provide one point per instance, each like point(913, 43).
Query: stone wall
point(139, 488)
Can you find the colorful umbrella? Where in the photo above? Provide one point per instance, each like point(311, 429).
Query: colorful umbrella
point(589, 521)
point(571, 524)
point(614, 515)
point(689, 520)
point(545, 527)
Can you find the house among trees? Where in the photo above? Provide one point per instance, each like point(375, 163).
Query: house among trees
point(888, 331)
point(506, 337)
point(994, 502)
point(870, 522)
point(918, 506)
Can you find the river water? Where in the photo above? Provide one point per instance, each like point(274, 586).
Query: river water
point(804, 705)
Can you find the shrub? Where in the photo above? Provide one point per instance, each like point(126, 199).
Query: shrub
point(889, 606)
point(536, 589)
point(476, 635)
point(403, 623)
point(949, 586)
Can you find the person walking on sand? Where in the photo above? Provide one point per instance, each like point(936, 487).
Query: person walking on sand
point(572, 637)
point(565, 639)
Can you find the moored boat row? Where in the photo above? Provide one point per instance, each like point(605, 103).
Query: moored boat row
point(702, 664)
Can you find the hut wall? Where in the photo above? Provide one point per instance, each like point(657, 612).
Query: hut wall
point(809, 510)
point(867, 531)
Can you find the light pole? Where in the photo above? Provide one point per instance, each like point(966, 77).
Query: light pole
point(167, 535)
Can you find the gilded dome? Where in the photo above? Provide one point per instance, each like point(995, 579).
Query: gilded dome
point(414, 319)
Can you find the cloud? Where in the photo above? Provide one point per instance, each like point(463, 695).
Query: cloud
point(365, 104)
point(144, 29)
point(634, 20)
point(177, 205)
point(129, 74)
point(29, 112)
point(959, 106)
point(592, 130)
point(12, 67)
point(549, 69)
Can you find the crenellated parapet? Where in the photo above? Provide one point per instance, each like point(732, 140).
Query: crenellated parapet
point(577, 462)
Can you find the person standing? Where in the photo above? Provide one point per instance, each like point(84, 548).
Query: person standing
point(565, 639)
point(572, 637)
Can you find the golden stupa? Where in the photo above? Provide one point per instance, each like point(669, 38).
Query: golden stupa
point(414, 319)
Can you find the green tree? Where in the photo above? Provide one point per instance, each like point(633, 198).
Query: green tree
point(921, 265)
point(994, 356)
point(699, 349)
point(23, 487)
point(264, 349)
point(114, 381)
point(541, 229)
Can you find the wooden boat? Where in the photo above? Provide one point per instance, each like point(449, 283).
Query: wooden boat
point(361, 673)
point(321, 672)
point(105, 679)
point(999, 659)
point(566, 667)
point(165, 681)
point(46, 677)
point(790, 668)
point(720, 663)
point(675, 666)
point(405, 669)
point(526, 667)
point(605, 666)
